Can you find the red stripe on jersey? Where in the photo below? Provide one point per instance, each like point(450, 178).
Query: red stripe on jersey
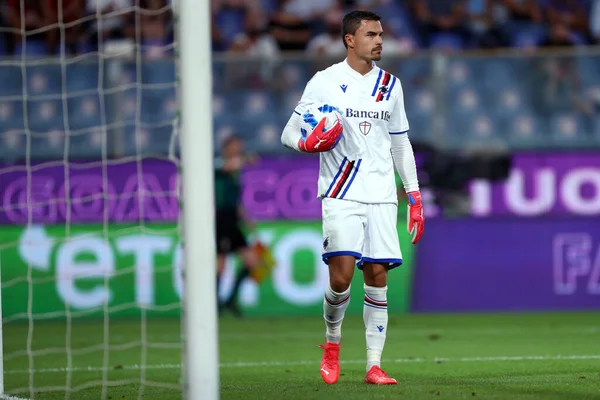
point(343, 179)
point(386, 79)
point(384, 82)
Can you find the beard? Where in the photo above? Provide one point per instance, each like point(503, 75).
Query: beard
point(375, 55)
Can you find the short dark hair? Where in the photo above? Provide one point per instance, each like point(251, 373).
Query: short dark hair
point(352, 21)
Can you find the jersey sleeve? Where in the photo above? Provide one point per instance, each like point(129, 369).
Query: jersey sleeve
point(291, 132)
point(399, 122)
point(311, 94)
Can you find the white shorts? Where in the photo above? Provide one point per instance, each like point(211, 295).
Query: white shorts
point(366, 231)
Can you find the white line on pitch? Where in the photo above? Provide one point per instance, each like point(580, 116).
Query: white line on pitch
point(418, 360)
point(404, 331)
point(137, 367)
point(7, 397)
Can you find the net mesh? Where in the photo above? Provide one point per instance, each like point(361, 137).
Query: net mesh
point(90, 242)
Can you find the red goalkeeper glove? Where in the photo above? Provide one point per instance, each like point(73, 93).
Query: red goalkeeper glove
point(320, 140)
point(415, 217)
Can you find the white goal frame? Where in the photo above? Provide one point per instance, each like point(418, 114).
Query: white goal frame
point(200, 350)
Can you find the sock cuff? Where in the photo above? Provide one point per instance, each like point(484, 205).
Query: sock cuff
point(376, 293)
point(335, 298)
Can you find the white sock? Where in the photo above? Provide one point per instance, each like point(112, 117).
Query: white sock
point(334, 307)
point(375, 316)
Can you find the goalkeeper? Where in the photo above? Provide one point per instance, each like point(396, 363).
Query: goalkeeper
point(356, 184)
point(231, 218)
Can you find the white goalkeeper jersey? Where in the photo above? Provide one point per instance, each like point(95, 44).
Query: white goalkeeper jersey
point(360, 167)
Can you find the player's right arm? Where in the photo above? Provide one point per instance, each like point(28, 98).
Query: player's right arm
point(318, 139)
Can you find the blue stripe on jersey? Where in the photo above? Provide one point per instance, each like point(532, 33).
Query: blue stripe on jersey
point(336, 176)
point(351, 179)
point(397, 133)
point(377, 84)
point(391, 88)
point(297, 112)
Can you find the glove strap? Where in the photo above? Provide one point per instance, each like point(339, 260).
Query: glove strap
point(414, 198)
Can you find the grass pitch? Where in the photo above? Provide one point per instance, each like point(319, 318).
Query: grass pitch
point(528, 356)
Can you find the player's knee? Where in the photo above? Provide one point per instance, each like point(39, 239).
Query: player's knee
point(375, 275)
point(379, 280)
point(339, 283)
point(341, 270)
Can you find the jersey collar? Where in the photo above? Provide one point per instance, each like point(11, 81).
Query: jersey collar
point(358, 75)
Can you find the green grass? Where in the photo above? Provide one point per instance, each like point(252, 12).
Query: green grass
point(432, 356)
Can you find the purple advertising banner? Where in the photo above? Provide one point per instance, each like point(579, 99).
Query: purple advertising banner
point(282, 189)
point(508, 264)
point(276, 188)
point(131, 192)
point(542, 184)
point(273, 189)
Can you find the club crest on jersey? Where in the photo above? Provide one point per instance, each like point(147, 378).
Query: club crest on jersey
point(365, 127)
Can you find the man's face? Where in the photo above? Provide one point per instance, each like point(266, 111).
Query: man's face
point(367, 41)
point(235, 148)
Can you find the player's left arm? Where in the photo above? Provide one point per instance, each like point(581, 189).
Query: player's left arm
point(319, 139)
point(404, 161)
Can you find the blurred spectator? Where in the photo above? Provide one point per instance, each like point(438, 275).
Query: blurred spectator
point(484, 33)
point(229, 18)
point(65, 17)
point(155, 27)
point(518, 22)
point(397, 41)
point(329, 43)
point(291, 31)
point(571, 14)
point(256, 42)
point(558, 36)
point(479, 18)
point(517, 10)
point(34, 19)
point(110, 16)
point(308, 10)
point(441, 23)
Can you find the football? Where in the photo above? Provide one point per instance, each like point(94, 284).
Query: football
point(315, 113)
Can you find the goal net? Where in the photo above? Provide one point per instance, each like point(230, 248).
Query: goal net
point(90, 247)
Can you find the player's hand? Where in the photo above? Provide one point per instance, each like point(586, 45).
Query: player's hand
point(320, 140)
point(415, 217)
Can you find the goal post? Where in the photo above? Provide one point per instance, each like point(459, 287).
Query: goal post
point(201, 366)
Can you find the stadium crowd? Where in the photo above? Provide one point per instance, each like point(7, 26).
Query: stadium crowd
point(268, 27)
